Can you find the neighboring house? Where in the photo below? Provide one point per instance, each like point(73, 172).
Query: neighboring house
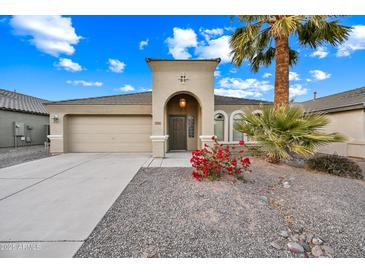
point(181, 113)
point(346, 111)
point(24, 119)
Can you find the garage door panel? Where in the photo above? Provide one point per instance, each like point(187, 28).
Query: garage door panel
point(109, 133)
point(102, 147)
point(112, 129)
point(103, 138)
point(128, 121)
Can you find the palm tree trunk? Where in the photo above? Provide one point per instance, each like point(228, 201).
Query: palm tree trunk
point(281, 96)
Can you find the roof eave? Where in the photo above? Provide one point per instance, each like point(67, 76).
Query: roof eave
point(340, 109)
point(24, 111)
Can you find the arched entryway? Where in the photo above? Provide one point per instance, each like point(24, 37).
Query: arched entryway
point(182, 116)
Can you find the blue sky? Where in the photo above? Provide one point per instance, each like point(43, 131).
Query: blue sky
point(64, 57)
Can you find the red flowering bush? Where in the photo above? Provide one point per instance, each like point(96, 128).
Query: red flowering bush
point(214, 161)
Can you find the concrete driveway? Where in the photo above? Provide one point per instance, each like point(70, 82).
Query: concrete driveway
point(48, 207)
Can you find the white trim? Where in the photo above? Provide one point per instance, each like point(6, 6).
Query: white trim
point(159, 138)
point(225, 137)
point(248, 143)
point(55, 136)
point(206, 138)
point(231, 123)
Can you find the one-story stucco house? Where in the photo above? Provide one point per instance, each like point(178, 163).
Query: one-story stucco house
point(181, 113)
point(346, 111)
point(24, 120)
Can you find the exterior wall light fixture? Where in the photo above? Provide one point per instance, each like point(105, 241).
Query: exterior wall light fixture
point(182, 103)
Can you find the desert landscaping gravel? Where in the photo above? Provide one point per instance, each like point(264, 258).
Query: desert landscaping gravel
point(13, 156)
point(164, 212)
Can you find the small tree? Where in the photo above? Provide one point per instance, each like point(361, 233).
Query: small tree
point(286, 131)
point(264, 38)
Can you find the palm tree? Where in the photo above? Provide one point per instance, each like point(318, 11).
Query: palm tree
point(285, 132)
point(254, 42)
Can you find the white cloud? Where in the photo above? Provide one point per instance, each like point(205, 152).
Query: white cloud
point(293, 76)
point(356, 41)
point(53, 35)
point(185, 39)
point(116, 66)
point(127, 88)
point(320, 52)
point(215, 48)
point(233, 70)
point(84, 83)
point(69, 65)
point(229, 28)
point(180, 42)
point(267, 75)
point(319, 74)
point(237, 93)
point(297, 90)
point(143, 44)
point(210, 33)
point(238, 87)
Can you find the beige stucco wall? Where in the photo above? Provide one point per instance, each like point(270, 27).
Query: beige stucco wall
point(352, 125)
point(230, 111)
point(166, 84)
point(58, 127)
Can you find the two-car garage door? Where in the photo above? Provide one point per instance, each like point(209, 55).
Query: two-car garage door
point(89, 133)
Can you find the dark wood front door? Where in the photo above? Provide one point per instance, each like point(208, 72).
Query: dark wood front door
point(177, 132)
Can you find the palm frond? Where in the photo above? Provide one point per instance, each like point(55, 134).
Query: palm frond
point(284, 26)
point(318, 30)
point(287, 130)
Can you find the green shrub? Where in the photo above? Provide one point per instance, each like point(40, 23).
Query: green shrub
point(336, 165)
point(286, 131)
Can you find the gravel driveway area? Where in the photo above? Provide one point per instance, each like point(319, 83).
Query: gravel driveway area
point(13, 156)
point(163, 212)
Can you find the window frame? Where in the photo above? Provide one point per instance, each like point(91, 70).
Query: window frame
point(225, 124)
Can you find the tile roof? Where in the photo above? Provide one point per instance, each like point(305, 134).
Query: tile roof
point(140, 98)
point(352, 99)
point(145, 98)
point(14, 101)
point(226, 100)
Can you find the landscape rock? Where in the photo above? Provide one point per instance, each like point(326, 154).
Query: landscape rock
point(303, 237)
point(295, 238)
point(264, 199)
point(328, 250)
point(317, 251)
point(306, 246)
point(286, 185)
point(277, 244)
point(295, 247)
point(284, 234)
point(309, 237)
point(317, 241)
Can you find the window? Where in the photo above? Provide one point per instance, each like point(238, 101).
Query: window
point(191, 126)
point(219, 126)
point(237, 136)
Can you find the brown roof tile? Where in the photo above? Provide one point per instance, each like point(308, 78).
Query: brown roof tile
point(351, 99)
point(145, 98)
point(14, 101)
